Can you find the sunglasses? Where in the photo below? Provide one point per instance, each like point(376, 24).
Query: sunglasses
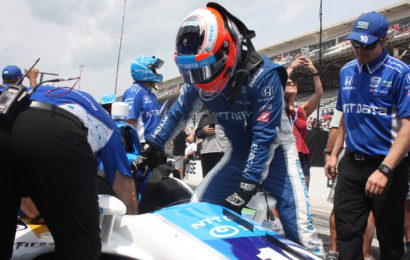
point(369, 47)
point(290, 83)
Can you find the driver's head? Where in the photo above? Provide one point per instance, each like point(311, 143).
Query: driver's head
point(207, 50)
point(11, 74)
point(144, 70)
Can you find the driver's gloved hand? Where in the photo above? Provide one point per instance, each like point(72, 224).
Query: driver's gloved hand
point(147, 158)
point(238, 200)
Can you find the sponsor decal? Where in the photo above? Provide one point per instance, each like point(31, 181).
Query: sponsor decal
point(364, 25)
point(221, 227)
point(348, 80)
point(408, 77)
point(223, 231)
point(263, 116)
point(153, 112)
point(349, 88)
point(387, 83)
point(408, 93)
point(375, 80)
point(237, 116)
point(364, 109)
point(266, 107)
point(267, 92)
point(147, 99)
point(251, 156)
point(19, 245)
point(211, 33)
point(190, 23)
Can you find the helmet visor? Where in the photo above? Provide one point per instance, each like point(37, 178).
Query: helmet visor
point(197, 70)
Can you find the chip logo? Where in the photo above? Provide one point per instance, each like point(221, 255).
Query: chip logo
point(348, 80)
point(375, 80)
point(364, 25)
point(263, 116)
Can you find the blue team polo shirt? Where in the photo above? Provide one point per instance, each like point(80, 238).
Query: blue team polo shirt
point(373, 98)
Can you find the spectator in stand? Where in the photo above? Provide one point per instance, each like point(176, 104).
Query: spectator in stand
point(179, 152)
point(373, 173)
point(368, 236)
point(214, 141)
point(298, 114)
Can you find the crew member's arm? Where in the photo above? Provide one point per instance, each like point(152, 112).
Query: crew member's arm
point(118, 172)
point(32, 77)
point(377, 181)
point(125, 189)
point(330, 166)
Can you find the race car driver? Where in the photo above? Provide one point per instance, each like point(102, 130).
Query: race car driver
point(144, 112)
point(244, 90)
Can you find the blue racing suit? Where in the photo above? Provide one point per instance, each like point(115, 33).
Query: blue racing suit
point(144, 109)
point(262, 148)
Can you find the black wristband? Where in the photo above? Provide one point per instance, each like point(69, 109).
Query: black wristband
point(326, 152)
point(384, 169)
point(315, 74)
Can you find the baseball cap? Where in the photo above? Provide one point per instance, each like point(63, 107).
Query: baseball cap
point(108, 99)
point(11, 72)
point(368, 28)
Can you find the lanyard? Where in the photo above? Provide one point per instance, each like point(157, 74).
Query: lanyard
point(293, 121)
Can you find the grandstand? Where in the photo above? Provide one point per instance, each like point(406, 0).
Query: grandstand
point(335, 52)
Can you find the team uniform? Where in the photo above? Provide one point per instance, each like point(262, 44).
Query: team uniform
point(49, 153)
point(144, 109)
point(373, 98)
point(262, 148)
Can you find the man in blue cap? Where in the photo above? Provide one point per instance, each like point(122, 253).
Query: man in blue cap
point(375, 100)
point(10, 74)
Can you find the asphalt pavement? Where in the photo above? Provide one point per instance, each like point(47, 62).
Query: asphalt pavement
point(321, 210)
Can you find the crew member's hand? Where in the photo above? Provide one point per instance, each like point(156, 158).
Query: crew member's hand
point(375, 184)
point(330, 167)
point(238, 200)
point(208, 130)
point(32, 76)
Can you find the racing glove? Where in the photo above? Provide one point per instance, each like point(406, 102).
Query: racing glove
point(238, 200)
point(147, 158)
